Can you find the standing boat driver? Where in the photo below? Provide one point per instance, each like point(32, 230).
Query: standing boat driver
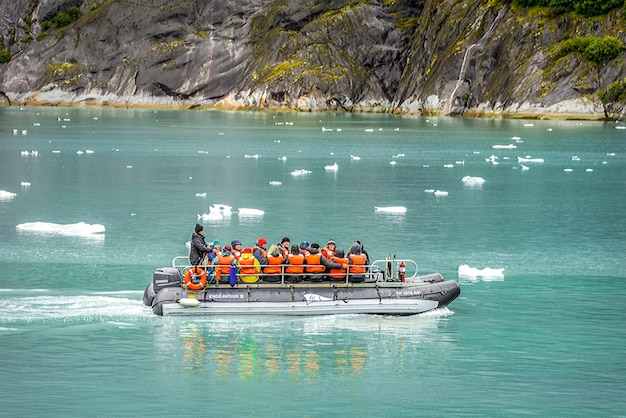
point(199, 247)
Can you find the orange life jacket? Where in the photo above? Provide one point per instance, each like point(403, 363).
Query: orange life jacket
point(339, 274)
point(295, 266)
point(263, 252)
point(274, 265)
point(223, 264)
point(247, 267)
point(358, 263)
point(313, 263)
point(237, 254)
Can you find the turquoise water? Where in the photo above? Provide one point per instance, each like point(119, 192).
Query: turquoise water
point(546, 338)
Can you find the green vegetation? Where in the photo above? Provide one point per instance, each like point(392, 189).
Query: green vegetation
point(5, 56)
point(614, 93)
point(66, 17)
point(584, 7)
point(592, 49)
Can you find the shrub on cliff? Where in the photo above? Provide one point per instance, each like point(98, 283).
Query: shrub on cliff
point(592, 49)
point(584, 7)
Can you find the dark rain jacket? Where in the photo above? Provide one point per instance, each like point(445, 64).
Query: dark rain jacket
point(198, 249)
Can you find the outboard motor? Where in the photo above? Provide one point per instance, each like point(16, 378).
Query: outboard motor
point(166, 277)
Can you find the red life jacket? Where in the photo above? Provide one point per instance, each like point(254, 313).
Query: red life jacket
point(274, 266)
point(295, 266)
point(358, 263)
point(313, 263)
point(338, 274)
point(328, 253)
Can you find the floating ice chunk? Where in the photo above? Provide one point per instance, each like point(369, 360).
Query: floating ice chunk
point(575, 158)
point(56, 151)
point(221, 208)
point(77, 229)
point(528, 159)
point(460, 162)
point(255, 156)
point(429, 190)
point(515, 138)
point(369, 130)
point(15, 131)
point(589, 170)
point(396, 129)
point(5, 195)
point(529, 124)
point(393, 162)
point(491, 159)
point(440, 193)
point(301, 172)
point(390, 209)
point(24, 132)
point(25, 184)
point(79, 152)
point(326, 129)
point(129, 166)
point(338, 129)
point(473, 181)
point(333, 167)
point(524, 167)
point(610, 154)
point(354, 158)
point(487, 274)
point(448, 165)
point(275, 183)
point(283, 158)
point(620, 127)
point(568, 170)
point(201, 194)
point(89, 151)
point(250, 212)
point(509, 146)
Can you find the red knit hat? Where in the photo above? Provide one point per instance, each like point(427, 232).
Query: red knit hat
point(261, 241)
point(247, 250)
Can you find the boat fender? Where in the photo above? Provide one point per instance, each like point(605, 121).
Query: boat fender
point(189, 302)
point(195, 278)
point(233, 276)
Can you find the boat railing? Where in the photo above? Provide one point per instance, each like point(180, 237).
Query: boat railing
point(384, 270)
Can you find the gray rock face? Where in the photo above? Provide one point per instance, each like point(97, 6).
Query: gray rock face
point(406, 56)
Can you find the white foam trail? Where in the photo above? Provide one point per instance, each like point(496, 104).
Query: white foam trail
point(250, 212)
point(4, 195)
point(80, 229)
point(473, 181)
point(390, 209)
point(333, 167)
point(474, 274)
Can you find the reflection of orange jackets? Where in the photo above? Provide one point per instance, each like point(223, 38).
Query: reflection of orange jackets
point(295, 266)
point(274, 265)
point(314, 264)
point(223, 264)
point(249, 268)
point(338, 273)
point(358, 263)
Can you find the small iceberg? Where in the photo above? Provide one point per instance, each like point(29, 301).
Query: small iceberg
point(4, 195)
point(250, 212)
point(487, 274)
point(333, 167)
point(201, 194)
point(354, 158)
point(255, 156)
point(440, 193)
point(275, 183)
point(448, 165)
point(301, 172)
point(393, 162)
point(473, 181)
point(528, 159)
point(390, 209)
point(217, 212)
point(283, 158)
point(80, 229)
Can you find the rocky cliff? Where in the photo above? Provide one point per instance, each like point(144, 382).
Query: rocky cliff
point(474, 57)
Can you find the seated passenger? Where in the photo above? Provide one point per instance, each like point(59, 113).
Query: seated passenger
point(274, 270)
point(222, 264)
point(284, 246)
point(358, 264)
point(217, 250)
point(296, 261)
point(339, 258)
point(329, 250)
point(236, 248)
point(260, 251)
point(249, 267)
point(304, 248)
point(318, 265)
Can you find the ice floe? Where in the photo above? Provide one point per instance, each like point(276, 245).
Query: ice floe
point(5, 195)
point(440, 193)
point(333, 167)
point(80, 229)
point(250, 212)
point(354, 158)
point(473, 181)
point(201, 194)
point(529, 159)
point(390, 209)
point(509, 146)
point(275, 183)
point(255, 156)
point(486, 274)
point(300, 172)
point(217, 212)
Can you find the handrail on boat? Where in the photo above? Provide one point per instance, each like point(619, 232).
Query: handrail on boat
point(384, 270)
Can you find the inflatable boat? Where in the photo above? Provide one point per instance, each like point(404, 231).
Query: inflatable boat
point(390, 287)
